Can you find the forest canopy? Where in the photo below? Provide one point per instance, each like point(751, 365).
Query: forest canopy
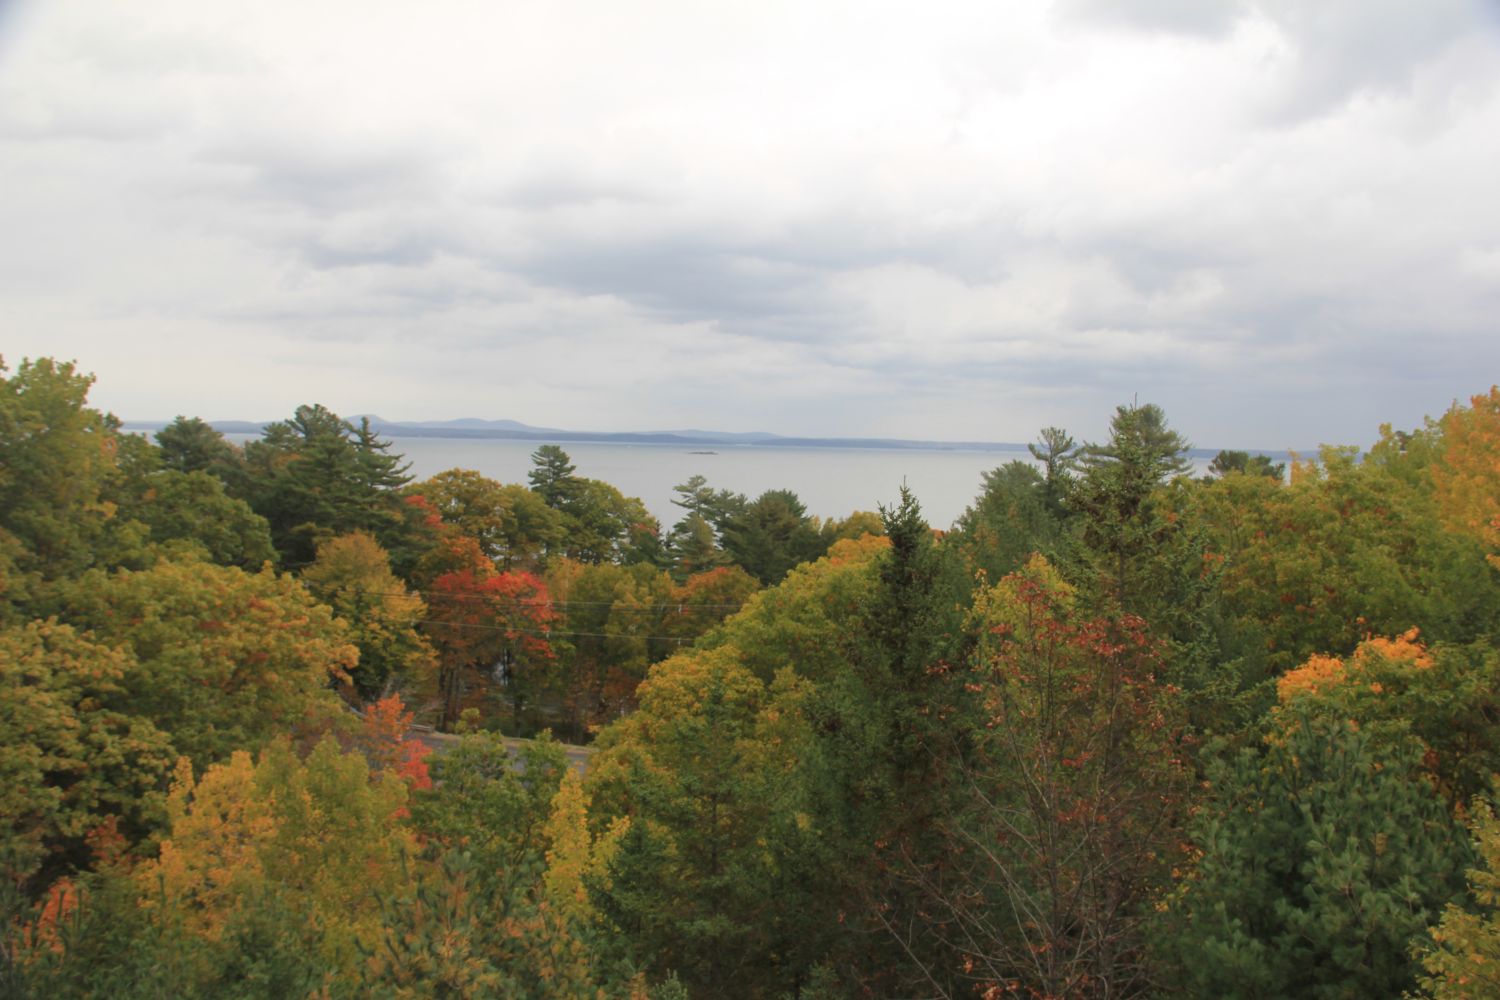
point(278, 721)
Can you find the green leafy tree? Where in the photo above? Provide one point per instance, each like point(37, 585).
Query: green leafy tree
point(1345, 549)
point(713, 877)
point(717, 507)
point(89, 940)
point(352, 575)
point(514, 526)
point(552, 476)
point(1012, 518)
point(601, 524)
point(1244, 463)
point(433, 939)
point(896, 702)
point(1113, 494)
point(193, 508)
point(811, 621)
point(863, 630)
point(484, 803)
point(71, 761)
point(56, 455)
point(500, 906)
point(224, 659)
point(906, 618)
point(693, 547)
point(696, 542)
point(1408, 455)
point(1058, 453)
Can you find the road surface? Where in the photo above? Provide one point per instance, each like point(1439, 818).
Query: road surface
point(442, 742)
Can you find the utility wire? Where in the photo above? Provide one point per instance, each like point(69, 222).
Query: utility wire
point(430, 596)
point(530, 631)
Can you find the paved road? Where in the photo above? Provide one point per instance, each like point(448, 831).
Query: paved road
point(442, 742)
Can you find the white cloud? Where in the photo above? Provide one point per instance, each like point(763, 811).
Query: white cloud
point(772, 215)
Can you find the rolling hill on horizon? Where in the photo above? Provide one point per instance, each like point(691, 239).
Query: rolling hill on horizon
point(506, 429)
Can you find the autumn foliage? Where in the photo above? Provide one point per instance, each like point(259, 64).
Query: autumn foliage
point(1125, 730)
point(487, 623)
point(1467, 479)
point(1073, 795)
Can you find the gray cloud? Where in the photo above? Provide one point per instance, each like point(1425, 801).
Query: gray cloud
point(1341, 49)
point(1278, 217)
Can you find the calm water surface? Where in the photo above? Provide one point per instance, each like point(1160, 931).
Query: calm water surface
point(831, 482)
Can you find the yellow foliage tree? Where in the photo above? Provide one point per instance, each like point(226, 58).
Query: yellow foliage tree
point(567, 917)
point(219, 827)
point(1465, 962)
point(352, 575)
point(1467, 478)
point(568, 857)
point(319, 833)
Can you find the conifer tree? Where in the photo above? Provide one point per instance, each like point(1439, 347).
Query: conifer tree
point(1325, 860)
point(1113, 494)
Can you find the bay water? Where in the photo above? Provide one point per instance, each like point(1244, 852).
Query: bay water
point(831, 482)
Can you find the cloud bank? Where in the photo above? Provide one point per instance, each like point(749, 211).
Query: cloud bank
point(1276, 219)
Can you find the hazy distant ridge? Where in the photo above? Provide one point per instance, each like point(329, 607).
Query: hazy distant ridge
point(472, 427)
point(513, 430)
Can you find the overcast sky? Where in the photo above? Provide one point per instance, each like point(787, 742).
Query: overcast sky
point(1280, 220)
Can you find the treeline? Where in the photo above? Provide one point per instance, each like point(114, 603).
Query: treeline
point(1120, 732)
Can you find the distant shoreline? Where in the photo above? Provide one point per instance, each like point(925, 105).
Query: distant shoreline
point(697, 440)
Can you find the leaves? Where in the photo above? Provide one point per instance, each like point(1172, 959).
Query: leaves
point(1322, 860)
point(224, 659)
point(1467, 477)
point(1463, 962)
point(488, 622)
point(352, 575)
point(1067, 823)
point(70, 758)
point(317, 831)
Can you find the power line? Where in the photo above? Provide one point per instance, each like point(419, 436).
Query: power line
point(430, 596)
point(542, 632)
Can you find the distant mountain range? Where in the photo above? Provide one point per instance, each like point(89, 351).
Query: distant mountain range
point(514, 430)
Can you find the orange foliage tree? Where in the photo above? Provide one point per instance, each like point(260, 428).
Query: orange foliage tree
point(1393, 689)
point(493, 625)
point(384, 742)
